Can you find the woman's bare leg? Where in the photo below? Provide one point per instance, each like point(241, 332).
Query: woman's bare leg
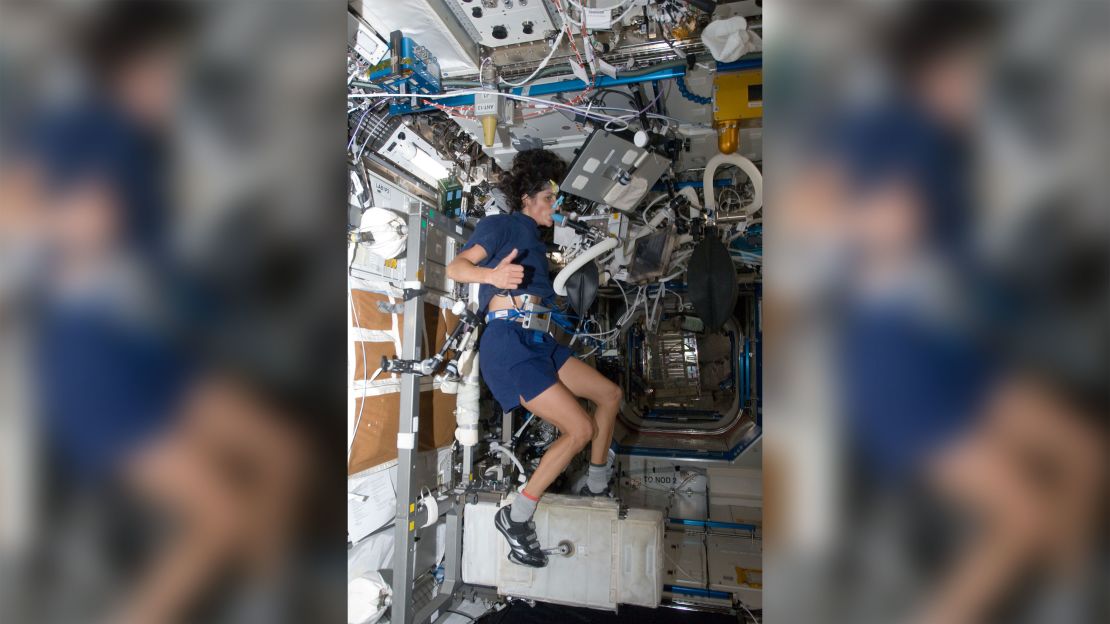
point(589, 384)
point(559, 407)
point(225, 520)
point(1046, 434)
point(173, 476)
point(980, 477)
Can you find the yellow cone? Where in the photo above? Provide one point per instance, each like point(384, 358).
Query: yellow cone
point(489, 129)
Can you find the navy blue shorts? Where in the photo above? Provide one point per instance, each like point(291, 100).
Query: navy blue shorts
point(517, 362)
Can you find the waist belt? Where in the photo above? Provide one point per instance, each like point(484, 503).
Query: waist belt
point(536, 319)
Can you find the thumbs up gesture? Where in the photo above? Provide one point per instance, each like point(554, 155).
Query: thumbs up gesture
point(506, 274)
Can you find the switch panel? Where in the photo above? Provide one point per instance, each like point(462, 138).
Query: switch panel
point(506, 22)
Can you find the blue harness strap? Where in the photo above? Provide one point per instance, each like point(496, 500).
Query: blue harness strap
point(511, 315)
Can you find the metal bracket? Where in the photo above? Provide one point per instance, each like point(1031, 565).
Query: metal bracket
point(410, 293)
point(397, 308)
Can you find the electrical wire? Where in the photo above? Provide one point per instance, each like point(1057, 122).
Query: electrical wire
point(566, 27)
point(370, 136)
point(670, 44)
point(619, 5)
point(362, 343)
point(613, 20)
point(618, 92)
point(729, 189)
point(584, 95)
point(550, 106)
point(358, 126)
point(681, 301)
point(481, 70)
point(543, 63)
point(634, 113)
point(607, 127)
point(607, 337)
point(511, 96)
point(655, 310)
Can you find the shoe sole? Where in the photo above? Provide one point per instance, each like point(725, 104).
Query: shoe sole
point(523, 563)
point(510, 557)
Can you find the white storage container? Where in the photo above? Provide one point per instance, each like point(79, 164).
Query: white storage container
point(615, 561)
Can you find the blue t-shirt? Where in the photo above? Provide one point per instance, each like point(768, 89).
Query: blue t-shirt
point(909, 385)
point(897, 140)
point(106, 384)
point(97, 140)
point(499, 235)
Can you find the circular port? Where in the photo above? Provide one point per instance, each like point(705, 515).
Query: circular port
point(527, 27)
point(500, 32)
point(476, 12)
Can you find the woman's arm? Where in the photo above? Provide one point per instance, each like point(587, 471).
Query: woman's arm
point(464, 269)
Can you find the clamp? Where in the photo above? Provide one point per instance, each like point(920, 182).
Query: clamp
point(468, 320)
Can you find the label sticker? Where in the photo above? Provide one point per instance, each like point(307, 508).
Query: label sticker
point(598, 18)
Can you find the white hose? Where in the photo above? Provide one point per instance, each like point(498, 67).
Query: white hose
point(497, 448)
point(579, 262)
point(747, 167)
point(678, 263)
point(654, 223)
point(674, 275)
point(466, 406)
point(643, 215)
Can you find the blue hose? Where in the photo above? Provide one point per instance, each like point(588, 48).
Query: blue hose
point(696, 99)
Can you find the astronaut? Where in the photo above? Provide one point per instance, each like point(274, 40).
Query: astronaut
point(520, 361)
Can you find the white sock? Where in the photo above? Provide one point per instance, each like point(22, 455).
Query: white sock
point(597, 478)
point(522, 508)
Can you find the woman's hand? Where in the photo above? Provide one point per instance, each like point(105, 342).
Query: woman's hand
point(506, 275)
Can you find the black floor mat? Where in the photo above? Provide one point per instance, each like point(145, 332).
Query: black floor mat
point(545, 613)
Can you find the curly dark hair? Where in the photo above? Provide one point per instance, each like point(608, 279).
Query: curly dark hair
point(529, 175)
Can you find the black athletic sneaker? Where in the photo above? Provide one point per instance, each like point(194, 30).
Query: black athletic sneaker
point(586, 491)
point(524, 546)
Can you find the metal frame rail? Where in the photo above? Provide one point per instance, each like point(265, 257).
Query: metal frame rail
point(408, 516)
